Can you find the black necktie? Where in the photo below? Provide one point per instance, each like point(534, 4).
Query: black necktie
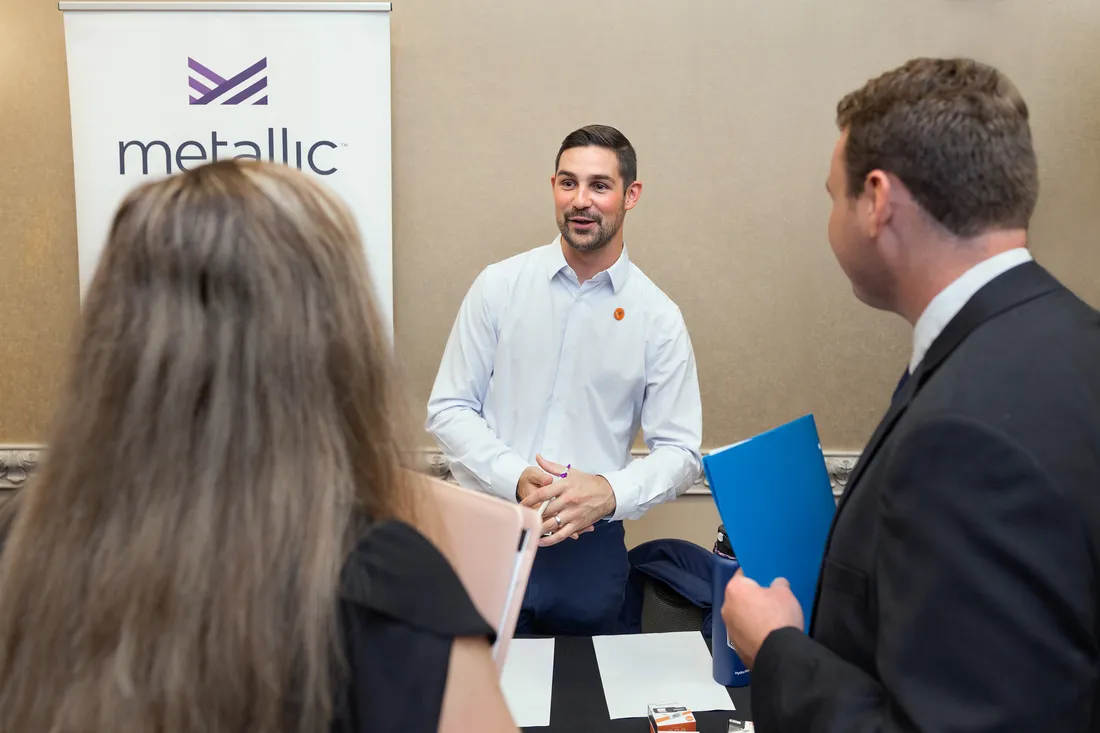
point(901, 382)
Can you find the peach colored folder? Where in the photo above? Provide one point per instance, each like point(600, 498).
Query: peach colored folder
point(491, 544)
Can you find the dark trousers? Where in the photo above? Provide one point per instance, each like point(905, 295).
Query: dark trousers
point(577, 586)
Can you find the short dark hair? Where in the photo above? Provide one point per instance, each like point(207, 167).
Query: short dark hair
point(603, 136)
point(955, 131)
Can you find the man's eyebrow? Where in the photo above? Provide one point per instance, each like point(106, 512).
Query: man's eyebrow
point(593, 177)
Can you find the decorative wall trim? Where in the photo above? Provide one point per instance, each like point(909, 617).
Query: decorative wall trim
point(17, 463)
point(840, 467)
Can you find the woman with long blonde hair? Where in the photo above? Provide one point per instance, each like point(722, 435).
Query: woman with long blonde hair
point(215, 543)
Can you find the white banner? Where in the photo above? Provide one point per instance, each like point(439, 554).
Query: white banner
point(155, 88)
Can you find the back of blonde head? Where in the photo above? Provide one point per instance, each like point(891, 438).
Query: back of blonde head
point(174, 568)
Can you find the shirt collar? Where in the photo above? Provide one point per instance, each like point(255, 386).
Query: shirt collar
point(617, 273)
point(555, 260)
point(949, 301)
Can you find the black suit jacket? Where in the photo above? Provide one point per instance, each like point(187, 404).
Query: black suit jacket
point(960, 591)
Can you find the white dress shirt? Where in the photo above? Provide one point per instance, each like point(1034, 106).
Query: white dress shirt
point(538, 363)
point(949, 301)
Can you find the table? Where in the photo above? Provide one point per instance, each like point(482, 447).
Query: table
point(577, 703)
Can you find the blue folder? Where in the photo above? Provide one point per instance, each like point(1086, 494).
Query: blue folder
point(776, 502)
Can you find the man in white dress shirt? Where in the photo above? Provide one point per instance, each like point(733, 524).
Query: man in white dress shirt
point(556, 359)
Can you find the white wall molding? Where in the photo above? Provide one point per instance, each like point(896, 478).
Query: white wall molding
point(18, 463)
point(840, 467)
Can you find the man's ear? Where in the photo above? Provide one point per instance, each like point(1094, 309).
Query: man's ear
point(633, 193)
point(875, 203)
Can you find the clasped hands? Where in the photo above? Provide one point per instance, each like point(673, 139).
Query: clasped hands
point(751, 612)
point(577, 500)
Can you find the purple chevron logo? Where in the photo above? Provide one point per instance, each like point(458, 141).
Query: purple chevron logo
point(247, 87)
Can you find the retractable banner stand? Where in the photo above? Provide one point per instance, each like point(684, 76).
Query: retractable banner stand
point(160, 87)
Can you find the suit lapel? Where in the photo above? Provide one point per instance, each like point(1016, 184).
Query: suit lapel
point(897, 406)
point(1015, 287)
point(1010, 289)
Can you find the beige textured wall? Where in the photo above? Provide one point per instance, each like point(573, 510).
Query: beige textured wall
point(38, 271)
point(730, 107)
point(692, 517)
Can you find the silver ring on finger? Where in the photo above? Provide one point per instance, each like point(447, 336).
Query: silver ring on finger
point(557, 518)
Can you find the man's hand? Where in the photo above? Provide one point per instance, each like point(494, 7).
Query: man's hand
point(531, 479)
point(752, 612)
point(579, 500)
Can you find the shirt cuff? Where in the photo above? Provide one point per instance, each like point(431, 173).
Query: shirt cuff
point(506, 472)
point(626, 491)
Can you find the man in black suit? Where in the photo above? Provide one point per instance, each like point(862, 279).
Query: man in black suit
point(960, 591)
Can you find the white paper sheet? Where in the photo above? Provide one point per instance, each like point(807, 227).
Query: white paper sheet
point(527, 680)
point(643, 669)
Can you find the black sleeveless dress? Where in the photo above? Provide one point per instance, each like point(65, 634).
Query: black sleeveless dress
point(401, 608)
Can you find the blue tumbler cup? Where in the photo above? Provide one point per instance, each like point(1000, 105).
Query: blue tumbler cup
point(728, 669)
